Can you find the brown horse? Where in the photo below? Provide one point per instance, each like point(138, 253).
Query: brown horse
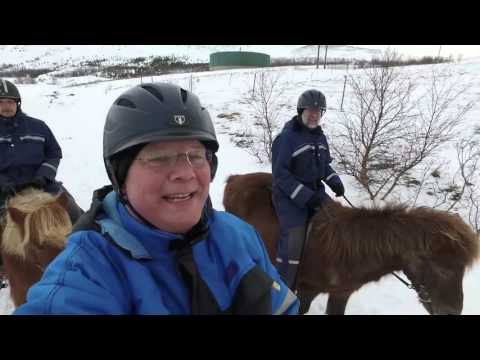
point(35, 228)
point(347, 248)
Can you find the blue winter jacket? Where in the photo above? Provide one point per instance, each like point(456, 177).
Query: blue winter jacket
point(28, 149)
point(300, 162)
point(137, 273)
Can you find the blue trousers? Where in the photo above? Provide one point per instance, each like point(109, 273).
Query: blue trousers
point(293, 223)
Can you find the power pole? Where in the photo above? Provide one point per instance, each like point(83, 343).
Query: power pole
point(440, 49)
point(318, 55)
point(325, 61)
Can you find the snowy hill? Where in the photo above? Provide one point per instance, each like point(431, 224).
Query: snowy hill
point(37, 56)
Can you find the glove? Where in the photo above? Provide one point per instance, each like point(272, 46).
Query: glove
point(39, 182)
point(7, 188)
point(316, 200)
point(337, 188)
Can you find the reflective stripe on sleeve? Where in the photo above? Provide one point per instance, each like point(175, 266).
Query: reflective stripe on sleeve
point(296, 191)
point(330, 176)
point(290, 298)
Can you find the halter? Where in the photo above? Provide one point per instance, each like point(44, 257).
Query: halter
point(421, 290)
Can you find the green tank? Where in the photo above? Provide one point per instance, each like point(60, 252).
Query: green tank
point(238, 59)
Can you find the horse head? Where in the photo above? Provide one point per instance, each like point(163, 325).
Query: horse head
point(35, 218)
point(439, 284)
point(437, 271)
point(35, 229)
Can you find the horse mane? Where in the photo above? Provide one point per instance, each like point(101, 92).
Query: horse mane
point(45, 222)
point(358, 233)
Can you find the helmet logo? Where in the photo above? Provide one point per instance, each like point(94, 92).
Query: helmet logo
point(179, 119)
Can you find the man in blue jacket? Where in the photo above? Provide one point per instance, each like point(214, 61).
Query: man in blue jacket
point(29, 152)
point(151, 243)
point(300, 164)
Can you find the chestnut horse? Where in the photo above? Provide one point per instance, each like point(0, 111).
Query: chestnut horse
point(35, 227)
point(349, 247)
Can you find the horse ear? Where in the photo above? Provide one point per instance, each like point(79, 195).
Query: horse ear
point(17, 216)
point(62, 200)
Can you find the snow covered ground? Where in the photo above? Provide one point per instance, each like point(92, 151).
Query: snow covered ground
point(75, 110)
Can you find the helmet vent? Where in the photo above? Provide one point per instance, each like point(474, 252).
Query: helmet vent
point(184, 95)
point(154, 92)
point(126, 103)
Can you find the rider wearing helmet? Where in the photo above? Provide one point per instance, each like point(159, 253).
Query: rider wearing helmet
point(30, 154)
point(300, 167)
point(151, 242)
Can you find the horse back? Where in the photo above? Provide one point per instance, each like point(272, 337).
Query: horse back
point(249, 197)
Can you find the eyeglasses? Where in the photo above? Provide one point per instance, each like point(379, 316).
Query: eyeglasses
point(317, 110)
point(167, 160)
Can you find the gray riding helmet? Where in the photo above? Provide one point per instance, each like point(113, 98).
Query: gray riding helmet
point(311, 99)
point(155, 112)
point(9, 91)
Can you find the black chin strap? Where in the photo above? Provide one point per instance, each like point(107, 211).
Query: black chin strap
point(129, 205)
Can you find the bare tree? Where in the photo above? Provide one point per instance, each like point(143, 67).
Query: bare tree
point(266, 106)
point(389, 128)
point(468, 155)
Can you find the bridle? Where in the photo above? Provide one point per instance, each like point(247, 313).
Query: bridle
point(422, 292)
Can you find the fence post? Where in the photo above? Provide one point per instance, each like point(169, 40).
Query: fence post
point(343, 94)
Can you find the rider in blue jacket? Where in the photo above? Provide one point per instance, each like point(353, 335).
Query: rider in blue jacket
point(29, 152)
point(152, 243)
point(300, 165)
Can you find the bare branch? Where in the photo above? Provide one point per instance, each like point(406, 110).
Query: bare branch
point(390, 128)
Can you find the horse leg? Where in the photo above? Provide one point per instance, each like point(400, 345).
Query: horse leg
point(306, 298)
point(337, 303)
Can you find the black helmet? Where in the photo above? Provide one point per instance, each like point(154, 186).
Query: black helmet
point(311, 99)
point(9, 91)
point(154, 112)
